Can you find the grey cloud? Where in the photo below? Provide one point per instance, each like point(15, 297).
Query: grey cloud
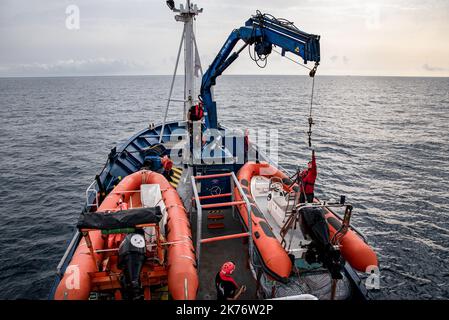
point(432, 68)
point(100, 66)
point(141, 36)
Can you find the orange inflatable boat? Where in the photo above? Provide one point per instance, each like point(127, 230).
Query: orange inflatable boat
point(169, 259)
point(275, 258)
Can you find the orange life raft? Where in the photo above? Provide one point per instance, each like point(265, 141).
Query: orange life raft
point(180, 265)
point(276, 261)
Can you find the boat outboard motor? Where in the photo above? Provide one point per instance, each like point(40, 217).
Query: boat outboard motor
point(131, 256)
point(313, 223)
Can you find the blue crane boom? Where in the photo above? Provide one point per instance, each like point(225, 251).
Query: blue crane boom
point(263, 31)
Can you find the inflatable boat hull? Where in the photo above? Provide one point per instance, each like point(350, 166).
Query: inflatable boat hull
point(353, 248)
point(181, 268)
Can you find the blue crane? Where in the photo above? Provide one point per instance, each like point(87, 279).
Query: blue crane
point(263, 31)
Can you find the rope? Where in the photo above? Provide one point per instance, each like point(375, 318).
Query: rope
point(172, 84)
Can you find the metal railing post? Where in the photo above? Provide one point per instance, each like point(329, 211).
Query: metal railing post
point(91, 189)
point(234, 183)
point(199, 213)
point(232, 195)
point(72, 243)
point(250, 231)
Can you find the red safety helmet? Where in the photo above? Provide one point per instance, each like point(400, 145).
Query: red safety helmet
point(228, 268)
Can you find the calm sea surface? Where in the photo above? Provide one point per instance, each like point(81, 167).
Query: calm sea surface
point(383, 142)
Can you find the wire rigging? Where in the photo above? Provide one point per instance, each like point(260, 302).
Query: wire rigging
point(309, 133)
point(256, 57)
point(293, 60)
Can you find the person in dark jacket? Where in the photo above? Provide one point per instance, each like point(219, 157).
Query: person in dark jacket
point(307, 181)
point(196, 113)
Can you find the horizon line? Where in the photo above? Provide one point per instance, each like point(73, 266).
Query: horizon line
point(259, 75)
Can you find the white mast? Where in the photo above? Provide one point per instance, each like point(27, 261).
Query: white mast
point(187, 14)
point(188, 61)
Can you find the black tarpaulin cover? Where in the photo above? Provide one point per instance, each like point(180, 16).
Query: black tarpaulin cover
point(119, 219)
point(316, 225)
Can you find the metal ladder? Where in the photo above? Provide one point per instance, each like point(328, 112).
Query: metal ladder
point(233, 203)
point(289, 208)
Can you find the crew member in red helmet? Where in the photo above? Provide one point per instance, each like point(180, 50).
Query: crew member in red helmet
point(227, 288)
point(307, 180)
point(167, 164)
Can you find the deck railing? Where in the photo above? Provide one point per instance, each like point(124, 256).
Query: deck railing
point(233, 204)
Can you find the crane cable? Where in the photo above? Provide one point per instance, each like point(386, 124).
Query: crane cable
point(264, 58)
point(293, 60)
point(312, 75)
point(309, 133)
point(312, 72)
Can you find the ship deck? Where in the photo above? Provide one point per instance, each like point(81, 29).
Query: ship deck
point(214, 254)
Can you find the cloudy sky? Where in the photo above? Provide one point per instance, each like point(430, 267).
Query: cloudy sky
point(395, 37)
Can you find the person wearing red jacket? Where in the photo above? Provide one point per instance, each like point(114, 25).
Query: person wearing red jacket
point(227, 288)
point(167, 164)
point(307, 180)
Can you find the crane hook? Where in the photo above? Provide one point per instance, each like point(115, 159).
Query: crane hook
point(313, 70)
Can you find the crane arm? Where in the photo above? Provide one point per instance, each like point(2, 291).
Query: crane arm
point(263, 31)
